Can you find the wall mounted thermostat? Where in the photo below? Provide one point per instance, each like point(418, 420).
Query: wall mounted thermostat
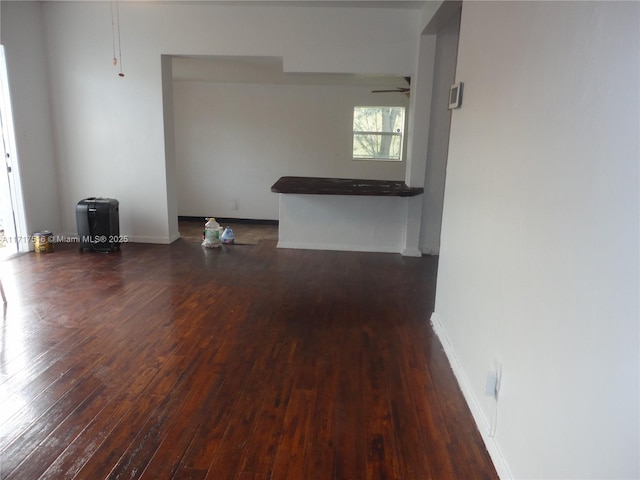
point(455, 96)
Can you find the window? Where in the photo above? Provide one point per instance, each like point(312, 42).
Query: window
point(377, 133)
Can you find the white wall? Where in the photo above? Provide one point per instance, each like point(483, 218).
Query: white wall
point(234, 140)
point(170, 146)
point(109, 131)
point(444, 74)
point(24, 41)
point(419, 119)
point(539, 256)
point(342, 222)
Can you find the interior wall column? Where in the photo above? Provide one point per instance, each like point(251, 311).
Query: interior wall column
point(419, 117)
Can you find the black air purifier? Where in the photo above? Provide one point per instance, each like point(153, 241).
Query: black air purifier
point(98, 224)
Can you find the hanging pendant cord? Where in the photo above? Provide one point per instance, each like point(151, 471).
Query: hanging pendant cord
point(119, 43)
point(113, 36)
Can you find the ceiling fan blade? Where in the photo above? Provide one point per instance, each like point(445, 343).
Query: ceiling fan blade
point(396, 90)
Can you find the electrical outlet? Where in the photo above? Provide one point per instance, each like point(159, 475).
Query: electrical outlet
point(233, 204)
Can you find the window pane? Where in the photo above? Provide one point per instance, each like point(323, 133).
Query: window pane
point(377, 146)
point(377, 132)
point(378, 119)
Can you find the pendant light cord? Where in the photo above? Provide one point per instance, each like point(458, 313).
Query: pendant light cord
point(115, 20)
point(113, 36)
point(119, 42)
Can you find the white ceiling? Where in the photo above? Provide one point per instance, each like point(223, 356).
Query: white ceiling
point(411, 4)
point(231, 69)
point(267, 70)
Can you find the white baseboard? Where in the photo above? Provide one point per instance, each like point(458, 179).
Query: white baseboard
point(73, 238)
point(411, 252)
point(337, 247)
point(144, 239)
point(499, 462)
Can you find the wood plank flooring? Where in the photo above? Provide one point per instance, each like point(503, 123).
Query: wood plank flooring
point(245, 362)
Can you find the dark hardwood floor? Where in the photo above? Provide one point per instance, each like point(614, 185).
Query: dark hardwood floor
point(244, 362)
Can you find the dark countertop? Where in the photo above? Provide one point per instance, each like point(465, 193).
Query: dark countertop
point(344, 186)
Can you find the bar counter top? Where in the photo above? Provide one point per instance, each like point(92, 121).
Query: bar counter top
point(344, 186)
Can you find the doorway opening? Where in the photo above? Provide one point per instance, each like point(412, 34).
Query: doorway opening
point(13, 237)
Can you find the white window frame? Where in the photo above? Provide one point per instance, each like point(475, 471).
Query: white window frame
point(380, 133)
